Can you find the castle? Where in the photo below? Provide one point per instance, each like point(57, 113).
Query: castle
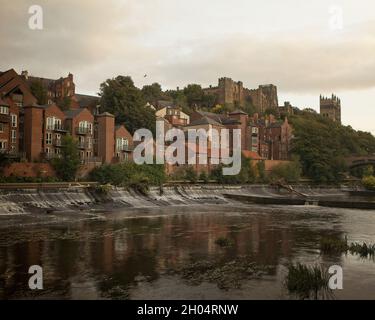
point(331, 108)
point(233, 92)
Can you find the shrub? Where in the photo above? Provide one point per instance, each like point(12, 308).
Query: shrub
point(129, 174)
point(191, 175)
point(204, 177)
point(369, 182)
point(288, 172)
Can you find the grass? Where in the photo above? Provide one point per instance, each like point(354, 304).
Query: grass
point(334, 245)
point(307, 282)
point(224, 242)
point(363, 250)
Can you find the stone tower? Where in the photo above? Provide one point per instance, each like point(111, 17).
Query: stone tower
point(331, 108)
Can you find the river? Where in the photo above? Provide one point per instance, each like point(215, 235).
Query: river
point(146, 253)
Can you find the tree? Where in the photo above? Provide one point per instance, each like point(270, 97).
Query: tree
point(124, 100)
point(322, 146)
point(194, 94)
point(65, 103)
point(152, 93)
point(68, 164)
point(39, 92)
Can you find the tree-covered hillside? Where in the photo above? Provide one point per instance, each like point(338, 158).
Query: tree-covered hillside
point(322, 145)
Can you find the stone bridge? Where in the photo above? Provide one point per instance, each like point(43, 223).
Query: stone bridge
point(358, 161)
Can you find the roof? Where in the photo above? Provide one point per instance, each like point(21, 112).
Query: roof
point(3, 103)
point(73, 113)
point(238, 111)
point(85, 100)
point(205, 120)
point(251, 155)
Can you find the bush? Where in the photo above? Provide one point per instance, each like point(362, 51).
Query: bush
point(369, 182)
point(204, 177)
point(191, 175)
point(129, 174)
point(288, 172)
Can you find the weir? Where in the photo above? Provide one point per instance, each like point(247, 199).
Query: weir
point(23, 201)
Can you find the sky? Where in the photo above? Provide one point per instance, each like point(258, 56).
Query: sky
point(304, 48)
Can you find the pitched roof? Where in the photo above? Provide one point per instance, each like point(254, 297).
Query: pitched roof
point(85, 100)
point(205, 120)
point(72, 113)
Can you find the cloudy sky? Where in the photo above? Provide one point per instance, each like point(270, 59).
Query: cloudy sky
point(305, 48)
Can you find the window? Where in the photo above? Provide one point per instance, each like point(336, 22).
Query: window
point(14, 120)
point(48, 150)
point(50, 123)
point(4, 110)
point(49, 138)
point(1, 127)
point(126, 156)
point(57, 123)
point(14, 136)
point(89, 143)
point(85, 127)
point(3, 144)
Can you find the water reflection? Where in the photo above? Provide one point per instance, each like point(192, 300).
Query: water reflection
point(117, 258)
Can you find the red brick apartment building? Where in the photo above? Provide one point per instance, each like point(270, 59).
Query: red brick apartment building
point(33, 132)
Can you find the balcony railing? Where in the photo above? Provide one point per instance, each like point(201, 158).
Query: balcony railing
point(59, 128)
point(83, 131)
point(96, 160)
point(57, 142)
point(12, 153)
point(127, 148)
point(4, 118)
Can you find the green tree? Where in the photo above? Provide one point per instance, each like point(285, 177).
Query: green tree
point(323, 145)
point(39, 92)
point(64, 103)
point(68, 164)
point(194, 94)
point(369, 182)
point(123, 99)
point(152, 93)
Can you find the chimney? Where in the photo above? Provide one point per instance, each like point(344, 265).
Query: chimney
point(25, 74)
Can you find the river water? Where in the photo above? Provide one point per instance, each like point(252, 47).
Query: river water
point(144, 253)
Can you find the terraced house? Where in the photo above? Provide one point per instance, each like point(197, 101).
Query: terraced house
point(34, 133)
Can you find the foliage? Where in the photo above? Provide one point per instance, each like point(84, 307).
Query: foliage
point(125, 101)
point(65, 103)
point(68, 164)
point(333, 245)
point(288, 172)
point(247, 174)
point(129, 174)
point(261, 169)
point(15, 179)
point(322, 146)
point(191, 175)
point(307, 282)
point(369, 182)
point(204, 177)
point(39, 92)
point(152, 93)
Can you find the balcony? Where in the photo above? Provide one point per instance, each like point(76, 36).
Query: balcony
point(83, 131)
point(57, 142)
point(59, 128)
point(92, 160)
point(50, 156)
point(4, 118)
point(127, 148)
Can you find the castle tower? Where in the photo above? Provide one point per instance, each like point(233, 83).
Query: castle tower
point(330, 107)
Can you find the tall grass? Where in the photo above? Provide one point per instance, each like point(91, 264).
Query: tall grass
point(307, 282)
